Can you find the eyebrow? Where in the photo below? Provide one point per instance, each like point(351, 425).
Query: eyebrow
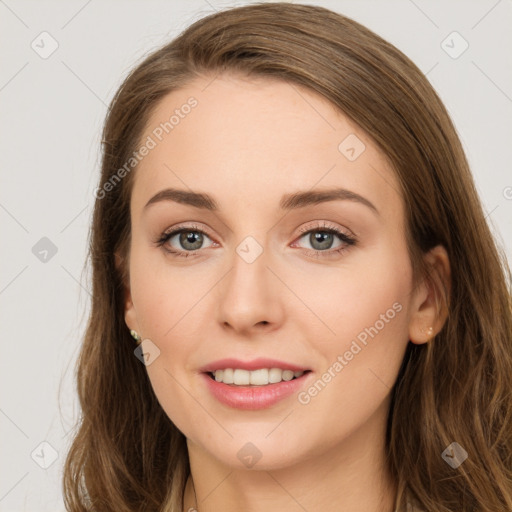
point(288, 202)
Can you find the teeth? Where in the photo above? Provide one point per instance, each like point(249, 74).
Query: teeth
point(256, 377)
point(241, 378)
point(260, 377)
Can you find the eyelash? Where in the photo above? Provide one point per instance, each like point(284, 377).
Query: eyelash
point(349, 241)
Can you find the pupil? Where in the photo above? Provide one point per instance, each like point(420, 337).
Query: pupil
point(191, 238)
point(323, 237)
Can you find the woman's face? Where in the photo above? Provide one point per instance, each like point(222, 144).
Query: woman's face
point(259, 272)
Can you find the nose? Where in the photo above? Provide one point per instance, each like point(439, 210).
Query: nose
point(250, 296)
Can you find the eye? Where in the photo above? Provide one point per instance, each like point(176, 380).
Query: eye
point(322, 238)
point(189, 240)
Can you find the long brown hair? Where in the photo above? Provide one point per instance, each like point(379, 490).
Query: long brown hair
point(126, 454)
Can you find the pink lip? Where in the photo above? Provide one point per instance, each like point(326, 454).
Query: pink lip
point(254, 397)
point(255, 364)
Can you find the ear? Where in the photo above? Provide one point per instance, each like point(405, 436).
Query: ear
point(431, 298)
point(130, 316)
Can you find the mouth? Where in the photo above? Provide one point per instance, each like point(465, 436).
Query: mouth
point(254, 384)
point(237, 377)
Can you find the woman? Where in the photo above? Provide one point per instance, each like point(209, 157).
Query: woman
point(287, 226)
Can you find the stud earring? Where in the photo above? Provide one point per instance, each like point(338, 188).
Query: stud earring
point(135, 336)
point(429, 332)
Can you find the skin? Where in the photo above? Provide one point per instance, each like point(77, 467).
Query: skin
point(247, 143)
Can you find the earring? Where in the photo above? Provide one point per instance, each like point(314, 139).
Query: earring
point(429, 331)
point(135, 336)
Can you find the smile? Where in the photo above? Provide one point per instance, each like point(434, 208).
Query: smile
point(260, 377)
point(255, 396)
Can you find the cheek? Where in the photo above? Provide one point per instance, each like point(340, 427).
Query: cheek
point(169, 314)
point(161, 294)
point(362, 299)
point(361, 363)
point(368, 312)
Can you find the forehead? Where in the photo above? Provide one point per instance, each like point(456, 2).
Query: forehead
point(257, 136)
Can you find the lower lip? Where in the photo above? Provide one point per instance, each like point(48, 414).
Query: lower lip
point(254, 397)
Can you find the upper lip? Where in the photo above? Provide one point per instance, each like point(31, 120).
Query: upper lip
point(254, 364)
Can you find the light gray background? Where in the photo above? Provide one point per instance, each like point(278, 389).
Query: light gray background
point(51, 116)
